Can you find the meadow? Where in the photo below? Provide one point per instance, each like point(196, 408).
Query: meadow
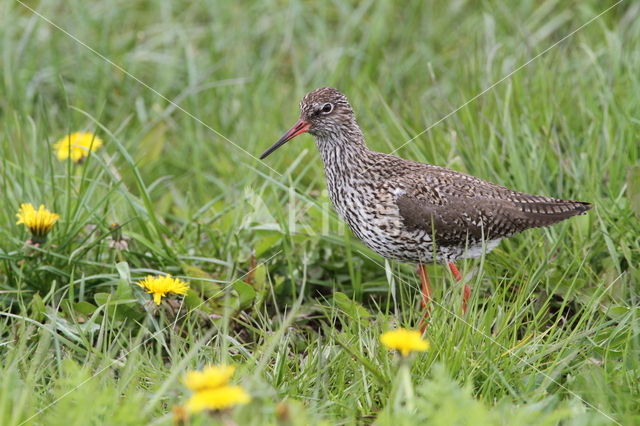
point(540, 96)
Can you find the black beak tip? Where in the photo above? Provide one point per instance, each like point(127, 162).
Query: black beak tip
point(270, 150)
point(273, 147)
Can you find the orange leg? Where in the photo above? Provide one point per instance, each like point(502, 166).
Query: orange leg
point(466, 291)
point(455, 272)
point(425, 291)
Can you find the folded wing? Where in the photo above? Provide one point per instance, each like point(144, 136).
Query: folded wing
point(461, 207)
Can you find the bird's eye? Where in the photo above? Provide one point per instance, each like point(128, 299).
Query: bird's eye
point(327, 108)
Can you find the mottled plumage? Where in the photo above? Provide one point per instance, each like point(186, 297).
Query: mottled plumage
point(400, 208)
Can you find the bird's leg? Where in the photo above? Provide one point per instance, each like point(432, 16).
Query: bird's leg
point(454, 270)
point(466, 290)
point(425, 291)
point(466, 294)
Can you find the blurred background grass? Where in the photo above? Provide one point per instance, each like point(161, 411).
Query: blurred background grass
point(182, 179)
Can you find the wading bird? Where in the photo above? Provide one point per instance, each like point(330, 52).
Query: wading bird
point(409, 211)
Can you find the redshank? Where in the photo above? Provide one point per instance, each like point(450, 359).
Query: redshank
point(409, 211)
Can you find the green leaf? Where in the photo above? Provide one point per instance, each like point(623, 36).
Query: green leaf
point(205, 286)
point(246, 294)
point(350, 307)
point(267, 242)
point(37, 307)
point(74, 311)
point(619, 312)
point(124, 271)
point(192, 300)
point(120, 309)
point(85, 308)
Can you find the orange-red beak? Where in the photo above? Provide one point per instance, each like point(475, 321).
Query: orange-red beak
point(300, 127)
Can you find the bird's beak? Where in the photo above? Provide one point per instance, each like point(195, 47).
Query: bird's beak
point(300, 127)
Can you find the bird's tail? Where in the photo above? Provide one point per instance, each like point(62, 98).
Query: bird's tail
point(548, 212)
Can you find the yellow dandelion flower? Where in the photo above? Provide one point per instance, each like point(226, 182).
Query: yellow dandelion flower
point(211, 377)
point(218, 398)
point(160, 286)
point(77, 146)
point(39, 222)
point(404, 341)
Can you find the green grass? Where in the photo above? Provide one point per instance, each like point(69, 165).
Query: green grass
point(280, 288)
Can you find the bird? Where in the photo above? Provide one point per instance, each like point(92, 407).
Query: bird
point(409, 211)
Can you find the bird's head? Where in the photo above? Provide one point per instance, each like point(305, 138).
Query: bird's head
point(325, 113)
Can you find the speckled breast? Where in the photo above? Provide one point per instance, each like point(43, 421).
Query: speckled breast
point(373, 217)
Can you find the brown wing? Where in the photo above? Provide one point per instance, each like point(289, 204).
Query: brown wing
point(456, 207)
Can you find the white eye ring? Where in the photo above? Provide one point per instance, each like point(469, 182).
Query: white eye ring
point(327, 108)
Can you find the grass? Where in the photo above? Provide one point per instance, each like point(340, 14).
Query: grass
point(280, 288)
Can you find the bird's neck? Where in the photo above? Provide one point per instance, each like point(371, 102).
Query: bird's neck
point(345, 156)
point(344, 151)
